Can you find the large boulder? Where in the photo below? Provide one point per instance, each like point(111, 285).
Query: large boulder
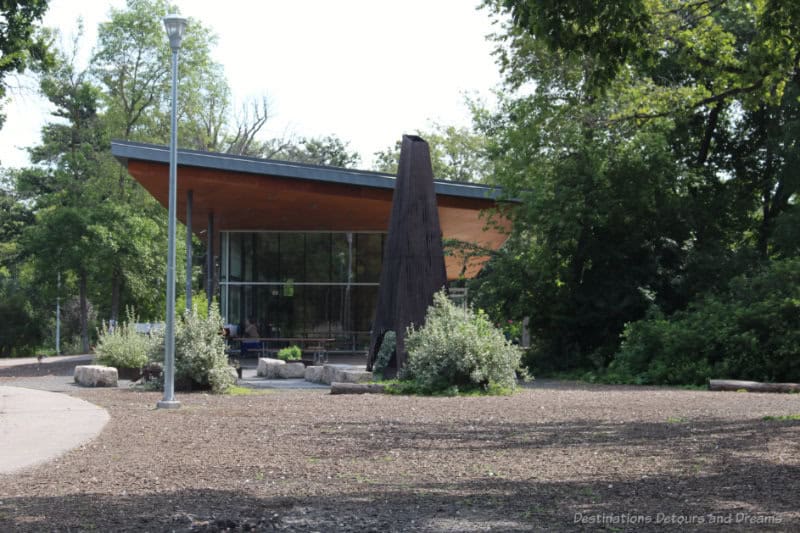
point(269, 368)
point(352, 376)
point(329, 372)
point(292, 371)
point(313, 374)
point(344, 374)
point(96, 376)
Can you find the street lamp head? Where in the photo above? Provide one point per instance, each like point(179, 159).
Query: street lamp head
point(175, 25)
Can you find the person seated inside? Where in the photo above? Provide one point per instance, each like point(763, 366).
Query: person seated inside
point(250, 332)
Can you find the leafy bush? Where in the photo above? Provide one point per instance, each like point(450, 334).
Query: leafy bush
point(121, 346)
point(290, 353)
point(752, 331)
point(19, 334)
point(388, 345)
point(200, 350)
point(458, 349)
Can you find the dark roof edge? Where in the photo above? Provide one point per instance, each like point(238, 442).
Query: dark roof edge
point(125, 150)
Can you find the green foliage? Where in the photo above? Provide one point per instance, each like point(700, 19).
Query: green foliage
point(781, 418)
point(290, 353)
point(652, 147)
point(385, 352)
point(458, 350)
point(20, 44)
point(200, 351)
point(19, 333)
point(329, 151)
point(751, 331)
point(457, 153)
point(122, 346)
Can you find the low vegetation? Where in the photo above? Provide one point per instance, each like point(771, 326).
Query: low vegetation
point(458, 350)
point(121, 346)
point(290, 353)
point(200, 359)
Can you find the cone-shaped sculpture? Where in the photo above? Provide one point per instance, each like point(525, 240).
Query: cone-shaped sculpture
point(413, 260)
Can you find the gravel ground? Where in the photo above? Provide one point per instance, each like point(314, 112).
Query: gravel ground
point(556, 456)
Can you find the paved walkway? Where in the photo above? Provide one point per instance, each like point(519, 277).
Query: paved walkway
point(37, 426)
point(18, 361)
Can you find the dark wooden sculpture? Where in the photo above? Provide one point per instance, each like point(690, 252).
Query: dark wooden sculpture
point(413, 259)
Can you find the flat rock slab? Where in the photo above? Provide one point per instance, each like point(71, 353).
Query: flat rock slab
point(352, 376)
point(335, 372)
point(269, 367)
point(96, 376)
point(313, 374)
point(37, 426)
point(291, 371)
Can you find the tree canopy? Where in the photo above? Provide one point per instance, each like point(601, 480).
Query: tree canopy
point(652, 143)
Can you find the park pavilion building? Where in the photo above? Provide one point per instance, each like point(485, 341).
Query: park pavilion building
point(298, 247)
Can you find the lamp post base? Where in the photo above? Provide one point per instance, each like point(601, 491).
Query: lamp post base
point(168, 404)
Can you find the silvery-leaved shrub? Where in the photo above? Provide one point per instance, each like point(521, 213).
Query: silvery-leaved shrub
point(200, 350)
point(121, 346)
point(460, 349)
point(385, 352)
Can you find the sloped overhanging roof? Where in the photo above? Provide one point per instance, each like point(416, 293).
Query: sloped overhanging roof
point(259, 194)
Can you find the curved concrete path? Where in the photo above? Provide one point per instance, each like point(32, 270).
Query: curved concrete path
point(37, 426)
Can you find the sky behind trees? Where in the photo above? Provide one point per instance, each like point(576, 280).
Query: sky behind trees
point(365, 71)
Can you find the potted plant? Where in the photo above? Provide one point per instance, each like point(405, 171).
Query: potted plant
point(290, 354)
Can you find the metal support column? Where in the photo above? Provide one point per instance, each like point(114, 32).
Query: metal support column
point(210, 260)
point(189, 250)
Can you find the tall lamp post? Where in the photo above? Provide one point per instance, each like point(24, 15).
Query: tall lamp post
point(175, 26)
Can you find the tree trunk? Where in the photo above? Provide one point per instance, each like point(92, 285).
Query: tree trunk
point(84, 311)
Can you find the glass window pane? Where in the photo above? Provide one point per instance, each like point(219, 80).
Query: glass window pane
point(317, 308)
point(292, 260)
point(318, 257)
point(225, 253)
point(342, 247)
point(234, 305)
point(368, 257)
point(236, 257)
point(267, 257)
point(248, 243)
point(364, 300)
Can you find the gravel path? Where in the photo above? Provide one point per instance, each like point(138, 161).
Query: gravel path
point(555, 456)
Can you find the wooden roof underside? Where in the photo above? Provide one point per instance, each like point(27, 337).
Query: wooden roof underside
point(245, 201)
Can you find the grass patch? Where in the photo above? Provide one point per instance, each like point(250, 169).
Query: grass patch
point(411, 388)
point(781, 418)
point(245, 391)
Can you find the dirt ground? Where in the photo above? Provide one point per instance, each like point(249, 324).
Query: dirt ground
point(555, 456)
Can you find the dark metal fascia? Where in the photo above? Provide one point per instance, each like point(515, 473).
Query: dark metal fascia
point(125, 150)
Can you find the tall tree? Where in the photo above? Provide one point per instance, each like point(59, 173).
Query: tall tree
point(457, 153)
point(648, 141)
point(329, 150)
point(20, 43)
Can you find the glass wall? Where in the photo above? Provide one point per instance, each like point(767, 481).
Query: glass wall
point(303, 284)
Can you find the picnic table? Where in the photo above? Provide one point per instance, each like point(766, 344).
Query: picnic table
point(317, 346)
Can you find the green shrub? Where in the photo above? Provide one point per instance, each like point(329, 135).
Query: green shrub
point(458, 349)
point(385, 352)
point(752, 331)
point(200, 350)
point(290, 353)
point(121, 346)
